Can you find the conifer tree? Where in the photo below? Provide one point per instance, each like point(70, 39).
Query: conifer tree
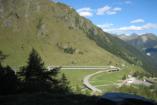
point(35, 77)
point(64, 83)
point(8, 78)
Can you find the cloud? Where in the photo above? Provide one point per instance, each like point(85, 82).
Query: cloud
point(107, 27)
point(127, 2)
point(139, 28)
point(103, 10)
point(126, 29)
point(150, 26)
point(53, 0)
point(108, 10)
point(88, 12)
point(137, 21)
point(131, 28)
point(85, 12)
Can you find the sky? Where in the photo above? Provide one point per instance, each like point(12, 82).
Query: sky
point(119, 16)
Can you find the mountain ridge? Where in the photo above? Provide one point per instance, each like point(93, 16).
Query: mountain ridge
point(146, 43)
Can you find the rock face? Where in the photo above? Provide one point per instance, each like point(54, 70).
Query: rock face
point(123, 99)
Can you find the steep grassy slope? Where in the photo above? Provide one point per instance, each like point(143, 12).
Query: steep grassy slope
point(39, 24)
point(60, 35)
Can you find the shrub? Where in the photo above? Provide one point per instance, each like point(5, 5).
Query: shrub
point(69, 50)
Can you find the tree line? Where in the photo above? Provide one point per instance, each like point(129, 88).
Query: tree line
point(32, 78)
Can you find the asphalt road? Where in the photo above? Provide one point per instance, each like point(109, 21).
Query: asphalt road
point(87, 78)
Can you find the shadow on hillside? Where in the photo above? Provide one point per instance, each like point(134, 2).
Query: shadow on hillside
point(48, 99)
point(63, 99)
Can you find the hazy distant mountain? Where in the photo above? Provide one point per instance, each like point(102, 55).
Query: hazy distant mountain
point(141, 41)
point(145, 42)
point(60, 35)
point(126, 37)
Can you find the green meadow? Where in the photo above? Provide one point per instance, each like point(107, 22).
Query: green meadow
point(76, 77)
point(108, 79)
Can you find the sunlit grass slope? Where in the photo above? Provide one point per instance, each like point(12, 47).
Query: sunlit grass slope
point(40, 25)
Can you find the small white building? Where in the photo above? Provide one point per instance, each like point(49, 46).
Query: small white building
point(133, 80)
point(148, 54)
point(50, 68)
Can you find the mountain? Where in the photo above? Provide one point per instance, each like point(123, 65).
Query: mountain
point(61, 36)
point(141, 41)
point(126, 37)
point(146, 43)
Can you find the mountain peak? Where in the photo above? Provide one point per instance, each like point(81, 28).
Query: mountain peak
point(134, 34)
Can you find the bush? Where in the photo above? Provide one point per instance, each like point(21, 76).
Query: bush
point(2, 56)
point(69, 50)
point(124, 77)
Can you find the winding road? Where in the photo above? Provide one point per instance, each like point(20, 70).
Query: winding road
point(87, 78)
